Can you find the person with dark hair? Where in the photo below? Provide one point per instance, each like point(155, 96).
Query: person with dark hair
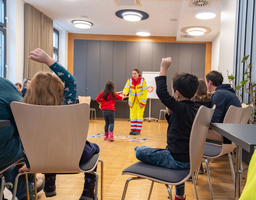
point(25, 86)
point(107, 100)
point(137, 89)
point(176, 153)
point(202, 97)
point(223, 96)
point(18, 86)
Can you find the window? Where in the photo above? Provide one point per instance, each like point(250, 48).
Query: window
point(2, 38)
point(55, 44)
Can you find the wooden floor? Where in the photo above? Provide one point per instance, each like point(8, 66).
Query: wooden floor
point(119, 154)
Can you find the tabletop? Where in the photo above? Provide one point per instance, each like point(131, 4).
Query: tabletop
point(244, 135)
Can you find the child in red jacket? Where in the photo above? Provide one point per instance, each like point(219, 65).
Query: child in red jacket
point(107, 99)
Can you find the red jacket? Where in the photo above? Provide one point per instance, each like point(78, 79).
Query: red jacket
point(110, 103)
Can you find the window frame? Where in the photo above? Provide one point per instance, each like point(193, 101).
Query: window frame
point(3, 29)
point(56, 50)
point(4, 24)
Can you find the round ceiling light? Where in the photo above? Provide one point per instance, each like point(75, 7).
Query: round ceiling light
point(132, 15)
point(205, 14)
point(143, 33)
point(82, 24)
point(196, 31)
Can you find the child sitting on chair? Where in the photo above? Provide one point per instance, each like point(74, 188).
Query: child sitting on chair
point(176, 153)
point(47, 89)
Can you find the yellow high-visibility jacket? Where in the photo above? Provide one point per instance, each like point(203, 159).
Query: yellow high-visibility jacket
point(140, 90)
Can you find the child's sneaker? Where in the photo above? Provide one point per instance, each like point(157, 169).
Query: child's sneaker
point(110, 136)
point(106, 136)
point(89, 186)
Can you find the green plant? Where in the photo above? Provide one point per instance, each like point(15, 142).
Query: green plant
point(247, 86)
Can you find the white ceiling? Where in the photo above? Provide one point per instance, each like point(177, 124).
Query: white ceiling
point(102, 14)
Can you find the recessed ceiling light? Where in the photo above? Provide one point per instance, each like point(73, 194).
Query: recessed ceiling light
point(143, 33)
point(82, 24)
point(205, 14)
point(196, 31)
point(132, 15)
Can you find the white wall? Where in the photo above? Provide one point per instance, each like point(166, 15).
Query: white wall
point(15, 40)
point(63, 45)
point(215, 53)
point(227, 37)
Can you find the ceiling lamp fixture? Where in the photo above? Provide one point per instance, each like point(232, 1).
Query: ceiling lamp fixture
point(205, 14)
point(82, 24)
point(143, 33)
point(196, 31)
point(132, 15)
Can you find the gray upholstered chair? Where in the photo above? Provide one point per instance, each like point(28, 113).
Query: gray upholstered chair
point(54, 137)
point(234, 115)
point(170, 176)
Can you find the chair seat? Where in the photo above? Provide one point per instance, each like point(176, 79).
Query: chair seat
point(212, 150)
point(90, 164)
point(156, 173)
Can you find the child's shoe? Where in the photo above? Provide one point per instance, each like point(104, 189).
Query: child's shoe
point(106, 136)
point(110, 136)
point(50, 187)
point(177, 198)
point(89, 185)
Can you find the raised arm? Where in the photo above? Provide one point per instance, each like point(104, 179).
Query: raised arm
point(69, 81)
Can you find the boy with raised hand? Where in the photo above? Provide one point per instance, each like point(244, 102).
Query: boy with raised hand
point(176, 153)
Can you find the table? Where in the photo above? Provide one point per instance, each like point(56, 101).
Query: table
point(244, 136)
point(4, 123)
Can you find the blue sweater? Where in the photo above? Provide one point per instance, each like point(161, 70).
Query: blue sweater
point(9, 141)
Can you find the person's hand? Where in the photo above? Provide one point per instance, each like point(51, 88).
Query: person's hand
point(41, 56)
point(141, 106)
point(166, 62)
point(23, 169)
point(164, 66)
point(168, 111)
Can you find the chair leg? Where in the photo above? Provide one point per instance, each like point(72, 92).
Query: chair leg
point(101, 179)
point(169, 191)
point(2, 187)
point(231, 167)
point(27, 188)
point(35, 186)
point(95, 115)
point(126, 186)
point(96, 187)
point(197, 173)
point(150, 191)
point(209, 178)
point(194, 182)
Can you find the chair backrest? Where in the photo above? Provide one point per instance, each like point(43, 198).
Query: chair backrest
point(238, 115)
point(198, 135)
point(86, 99)
point(53, 137)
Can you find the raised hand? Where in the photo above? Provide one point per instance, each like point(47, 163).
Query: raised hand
point(166, 62)
point(41, 56)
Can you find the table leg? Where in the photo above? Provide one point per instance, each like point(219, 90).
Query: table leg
point(238, 176)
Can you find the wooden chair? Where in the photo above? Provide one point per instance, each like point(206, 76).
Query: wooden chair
point(54, 137)
point(87, 99)
point(170, 176)
point(234, 115)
